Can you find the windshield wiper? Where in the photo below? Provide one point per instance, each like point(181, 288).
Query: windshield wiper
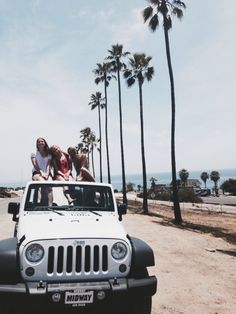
point(55, 211)
point(82, 209)
point(46, 208)
point(92, 211)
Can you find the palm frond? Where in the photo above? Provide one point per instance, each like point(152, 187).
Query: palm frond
point(149, 73)
point(155, 2)
point(97, 80)
point(147, 13)
point(140, 77)
point(154, 22)
point(168, 22)
point(126, 53)
point(178, 12)
point(127, 73)
point(130, 81)
point(179, 3)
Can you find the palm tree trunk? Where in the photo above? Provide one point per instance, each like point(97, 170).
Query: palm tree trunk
point(121, 139)
point(145, 202)
point(100, 143)
point(93, 161)
point(177, 212)
point(88, 155)
point(106, 133)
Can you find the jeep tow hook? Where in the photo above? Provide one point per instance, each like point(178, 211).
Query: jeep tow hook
point(115, 282)
point(41, 285)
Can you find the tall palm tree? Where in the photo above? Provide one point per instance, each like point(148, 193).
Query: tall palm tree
point(103, 75)
point(96, 101)
point(184, 174)
point(204, 176)
point(115, 58)
point(215, 177)
point(94, 143)
point(165, 9)
point(139, 70)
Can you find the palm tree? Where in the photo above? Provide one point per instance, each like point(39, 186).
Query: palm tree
point(183, 174)
point(84, 145)
point(204, 176)
point(139, 71)
point(165, 9)
point(96, 101)
point(153, 182)
point(215, 177)
point(103, 75)
point(115, 57)
point(88, 143)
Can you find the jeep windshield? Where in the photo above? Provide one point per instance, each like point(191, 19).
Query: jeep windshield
point(74, 197)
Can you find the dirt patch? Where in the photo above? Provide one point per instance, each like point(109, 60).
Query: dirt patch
point(218, 224)
point(195, 262)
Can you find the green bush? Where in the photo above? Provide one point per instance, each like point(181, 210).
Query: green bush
point(185, 195)
point(229, 186)
point(188, 196)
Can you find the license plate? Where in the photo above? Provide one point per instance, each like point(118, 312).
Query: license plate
point(79, 297)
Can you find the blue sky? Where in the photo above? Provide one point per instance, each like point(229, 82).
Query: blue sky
point(47, 54)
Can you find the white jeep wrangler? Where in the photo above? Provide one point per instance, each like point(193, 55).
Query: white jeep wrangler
point(70, 252)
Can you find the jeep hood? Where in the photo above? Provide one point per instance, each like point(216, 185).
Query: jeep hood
point(36, 226)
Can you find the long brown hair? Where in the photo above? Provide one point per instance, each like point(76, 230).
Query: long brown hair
point(45, 142)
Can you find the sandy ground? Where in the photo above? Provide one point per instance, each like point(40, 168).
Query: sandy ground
point(196, 268)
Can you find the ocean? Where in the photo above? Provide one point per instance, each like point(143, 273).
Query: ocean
point(165, 178)
point(162, 178)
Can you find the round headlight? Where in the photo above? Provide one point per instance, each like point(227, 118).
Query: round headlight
point(34, 253)
point(118, 250)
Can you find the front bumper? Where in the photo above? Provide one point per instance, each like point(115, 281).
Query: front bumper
point(112, 288)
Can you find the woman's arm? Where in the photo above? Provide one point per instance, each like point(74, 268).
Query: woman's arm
point(34, 162)
point(47, 173)
point(69, 171)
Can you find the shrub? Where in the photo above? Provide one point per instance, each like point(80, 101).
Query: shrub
point(188, 196)
point(185, 195)
point(229, 186)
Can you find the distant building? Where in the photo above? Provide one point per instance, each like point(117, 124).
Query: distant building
point(190, 183)
point(160, 188)
point(193, 183)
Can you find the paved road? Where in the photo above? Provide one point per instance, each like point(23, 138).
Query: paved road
point(222, 200)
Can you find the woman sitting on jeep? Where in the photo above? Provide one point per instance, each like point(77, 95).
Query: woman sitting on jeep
point(61, 163)
point(80, 162)
point(41, 161)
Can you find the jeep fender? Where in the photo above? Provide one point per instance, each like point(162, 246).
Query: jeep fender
point(142, 254)
point(9, 266)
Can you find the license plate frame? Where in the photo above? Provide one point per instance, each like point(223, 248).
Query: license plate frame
point(79, 298)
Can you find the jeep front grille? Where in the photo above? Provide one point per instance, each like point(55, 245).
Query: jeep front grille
point(68, 260)
point(77, 259)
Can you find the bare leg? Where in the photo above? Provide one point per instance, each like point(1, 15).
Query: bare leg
point(38, 177)
point(85, 175)
point(65, 189)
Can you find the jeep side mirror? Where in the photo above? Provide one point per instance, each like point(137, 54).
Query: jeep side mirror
point(122, 210)
point(13, 208)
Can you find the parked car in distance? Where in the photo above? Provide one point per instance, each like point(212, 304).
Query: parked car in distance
point(205, 192)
